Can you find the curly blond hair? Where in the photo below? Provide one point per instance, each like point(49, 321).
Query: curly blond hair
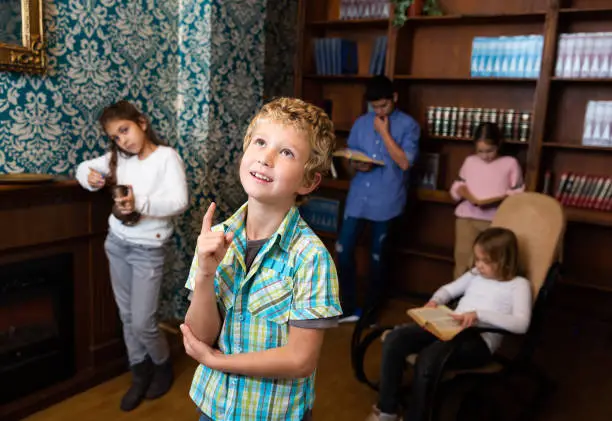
point(305, 118)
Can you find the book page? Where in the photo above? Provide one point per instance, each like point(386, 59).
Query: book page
point(436, 314)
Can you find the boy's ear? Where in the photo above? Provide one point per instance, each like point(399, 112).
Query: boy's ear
point(307, 188)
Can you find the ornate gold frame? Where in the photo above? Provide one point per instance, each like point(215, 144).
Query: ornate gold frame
point(29, 57)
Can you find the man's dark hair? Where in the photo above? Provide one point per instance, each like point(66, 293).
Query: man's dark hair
point(379, 87)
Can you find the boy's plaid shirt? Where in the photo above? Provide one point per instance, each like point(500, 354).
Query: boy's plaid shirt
point(293, 277)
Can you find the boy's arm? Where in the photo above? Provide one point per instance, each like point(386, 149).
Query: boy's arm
point(297, 359)
point(203, 316)
point(315, 297)
point(404, 150)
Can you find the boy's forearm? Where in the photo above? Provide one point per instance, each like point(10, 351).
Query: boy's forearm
point(203, 315)
point(397, 154)
point(279, 363)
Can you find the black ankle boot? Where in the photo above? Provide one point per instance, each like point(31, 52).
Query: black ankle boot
point(162, 380)
point(141, 379)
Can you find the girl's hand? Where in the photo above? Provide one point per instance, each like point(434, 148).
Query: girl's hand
point(95, 179)
point(212, 246)
point(431, 304)
point(466, 319)
point(126, 204)
point(198, 350)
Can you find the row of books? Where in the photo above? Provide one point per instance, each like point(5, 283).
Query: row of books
point(364, 9)
point(584, 55)
point(337, 56)
point(516, 57)
point(598, 124)
point(462, 122)
point(585, 191)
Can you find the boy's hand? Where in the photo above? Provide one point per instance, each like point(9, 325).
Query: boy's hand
point(466, 319)
point(381, 124)
point(198, 350)
point(431, 304)
point(95, 179)
point(361, 166)
point(212, 246)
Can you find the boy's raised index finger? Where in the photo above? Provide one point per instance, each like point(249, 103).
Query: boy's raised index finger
point(208, 217)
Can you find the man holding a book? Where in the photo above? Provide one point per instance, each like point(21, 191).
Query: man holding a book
point(382, 146)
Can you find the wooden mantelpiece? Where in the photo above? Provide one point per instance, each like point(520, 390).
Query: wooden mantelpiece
point(61, 217)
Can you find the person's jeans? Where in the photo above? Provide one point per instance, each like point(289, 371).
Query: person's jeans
point(345, 247)
point(413, 339)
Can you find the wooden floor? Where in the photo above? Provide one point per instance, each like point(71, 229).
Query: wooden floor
point(576, 353)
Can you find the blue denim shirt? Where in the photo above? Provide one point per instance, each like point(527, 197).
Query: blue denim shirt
point(380, 194)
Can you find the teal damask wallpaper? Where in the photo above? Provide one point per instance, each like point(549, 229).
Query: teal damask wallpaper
point(197, 68)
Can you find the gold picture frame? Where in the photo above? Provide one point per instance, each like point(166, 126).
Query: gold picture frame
point(30, 56)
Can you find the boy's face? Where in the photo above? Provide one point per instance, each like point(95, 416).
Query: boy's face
point(272, 168)
point(384, 107)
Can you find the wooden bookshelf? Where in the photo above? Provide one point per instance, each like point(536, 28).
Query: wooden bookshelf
point(429, 59)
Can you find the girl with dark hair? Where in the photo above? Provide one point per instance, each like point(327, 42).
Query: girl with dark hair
point(149, 188)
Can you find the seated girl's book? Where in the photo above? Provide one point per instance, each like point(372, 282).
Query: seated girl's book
point(436, 320)
point(355, 155)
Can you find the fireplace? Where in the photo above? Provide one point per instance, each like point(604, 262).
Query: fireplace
point(36, 325)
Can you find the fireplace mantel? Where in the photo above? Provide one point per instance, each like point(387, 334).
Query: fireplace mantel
point(55, 218)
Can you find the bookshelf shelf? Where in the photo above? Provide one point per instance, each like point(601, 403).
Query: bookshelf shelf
point(435, 196)
point(339, 78)
point(470, 140)
point(581, 80)
point(433, 253)
point(600, 13)
point(575, 147)
point(589, 216)
point(349, 24)
point(332, 183)
point(465, 19)
point(463, 79)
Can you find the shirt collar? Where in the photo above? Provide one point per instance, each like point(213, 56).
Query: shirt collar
point(237, 224)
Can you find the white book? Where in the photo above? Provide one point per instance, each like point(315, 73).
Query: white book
point(606, 137)
point(569, 52)
point(598, 125)
point(587, 55)
point(606, 63)
point(578, 55)
point(589, 122)
point(561, 53)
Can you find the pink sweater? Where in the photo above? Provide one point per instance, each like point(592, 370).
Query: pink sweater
point(503, 176)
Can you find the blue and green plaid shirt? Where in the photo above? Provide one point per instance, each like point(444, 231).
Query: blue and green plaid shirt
point(293, 277)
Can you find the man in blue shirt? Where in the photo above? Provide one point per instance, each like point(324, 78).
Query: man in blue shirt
point(377, 193)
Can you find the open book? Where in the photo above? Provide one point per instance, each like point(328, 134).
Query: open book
point(354, 155)
point(436, 320)
point(490, 201)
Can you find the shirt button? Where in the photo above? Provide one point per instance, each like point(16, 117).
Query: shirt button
point(367, 184)
point(377, 142)
point(374, 156)
point(241, 317)
point(238, 349)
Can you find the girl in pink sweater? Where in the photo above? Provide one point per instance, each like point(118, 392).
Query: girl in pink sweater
point(485, 179)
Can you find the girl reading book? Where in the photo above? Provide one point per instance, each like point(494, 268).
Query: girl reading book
point(492, 294)
point(485, 179)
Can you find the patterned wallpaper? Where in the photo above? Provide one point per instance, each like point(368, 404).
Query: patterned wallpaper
point(280, 28)
point(197, 68)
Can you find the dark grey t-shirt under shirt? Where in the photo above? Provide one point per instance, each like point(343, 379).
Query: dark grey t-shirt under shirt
point(253, 247)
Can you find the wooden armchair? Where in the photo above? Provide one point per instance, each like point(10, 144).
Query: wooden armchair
point(539, 223)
